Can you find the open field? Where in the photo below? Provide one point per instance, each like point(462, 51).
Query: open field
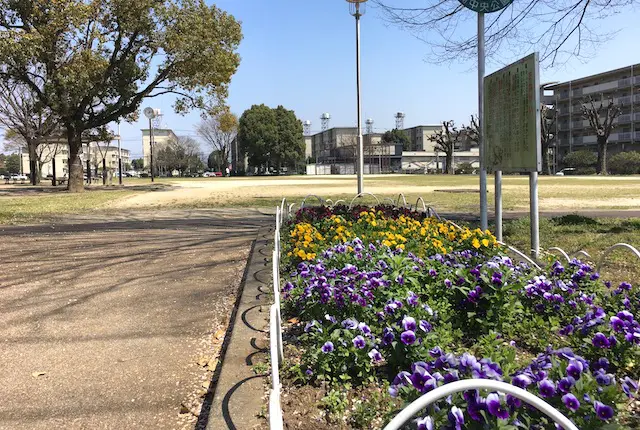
point(449, 194)
point(446, 193)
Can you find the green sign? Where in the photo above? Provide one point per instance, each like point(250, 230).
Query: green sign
point(485, 6)
point(512, 117)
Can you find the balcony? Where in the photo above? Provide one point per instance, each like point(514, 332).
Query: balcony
point(624, 82)
point(624, 137)
point(577, 93)
point(563, 127)
point(637, 136)
point(577, 124)
point(604, 87)
point(624, 100)
point(636, 117)
point(636, 98)
point(623, 119)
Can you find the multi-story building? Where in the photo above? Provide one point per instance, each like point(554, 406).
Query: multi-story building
point(161, 136)
point(419, 137)
point(573, 131)
point(58, 154)
point(335, 150)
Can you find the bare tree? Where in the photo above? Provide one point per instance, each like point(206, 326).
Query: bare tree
point(219, 133)
point(547, 135)
point(602, 127)
point(182, 154)
point(446, 140)
point(559, 29)
point(45, 151)
point(28, 124)
point(473, 130)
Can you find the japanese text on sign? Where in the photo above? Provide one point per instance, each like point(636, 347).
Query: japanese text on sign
point(512, 117)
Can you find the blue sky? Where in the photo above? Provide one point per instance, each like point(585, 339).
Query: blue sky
point(301, 54)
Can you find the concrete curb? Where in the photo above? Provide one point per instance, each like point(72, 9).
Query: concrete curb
point(236, 394)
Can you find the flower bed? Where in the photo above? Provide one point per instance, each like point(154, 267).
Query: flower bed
point(386, 297)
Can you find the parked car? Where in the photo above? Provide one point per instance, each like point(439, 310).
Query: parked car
point(566, 171)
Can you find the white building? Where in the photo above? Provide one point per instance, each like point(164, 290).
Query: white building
point(161, 136)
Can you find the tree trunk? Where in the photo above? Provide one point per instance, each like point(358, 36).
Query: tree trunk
point(75, 182)
point(53, 168)
point(449, 163)
point(104, 171)
point(546, 159)
point(601, 168)
point(33, 163)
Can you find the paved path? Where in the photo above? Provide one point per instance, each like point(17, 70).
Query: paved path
point(116, 313)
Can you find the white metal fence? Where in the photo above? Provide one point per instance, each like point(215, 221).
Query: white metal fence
point(284, 212)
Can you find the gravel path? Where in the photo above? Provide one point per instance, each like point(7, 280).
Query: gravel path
point(103, 322)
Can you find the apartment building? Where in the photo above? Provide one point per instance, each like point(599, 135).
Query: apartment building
point(161, 136)
point(573, 131)
point(419, 137)
point(58, 153)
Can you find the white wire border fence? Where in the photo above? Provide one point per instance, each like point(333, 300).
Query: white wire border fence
point(276, 422)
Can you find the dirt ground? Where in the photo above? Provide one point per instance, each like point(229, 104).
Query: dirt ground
point(555, 192)
point(103, 322)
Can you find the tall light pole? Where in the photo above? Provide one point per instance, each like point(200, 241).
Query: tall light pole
point(119, 157)
point(150, 113)
point(356, 7)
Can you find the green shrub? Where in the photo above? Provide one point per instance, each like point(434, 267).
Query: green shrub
point(625, 163)
point(580, 159)
point(584, 171)
point(465, 169)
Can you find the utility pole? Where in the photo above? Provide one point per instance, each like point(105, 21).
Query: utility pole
point(119, 157)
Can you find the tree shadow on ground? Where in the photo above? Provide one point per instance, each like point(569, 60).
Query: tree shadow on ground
point(30, 190)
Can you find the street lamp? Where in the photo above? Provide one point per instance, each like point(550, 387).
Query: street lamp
point(151, 114)
point(357, 9)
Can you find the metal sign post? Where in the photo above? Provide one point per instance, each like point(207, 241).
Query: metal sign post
point(483, 7)
point(484, 222)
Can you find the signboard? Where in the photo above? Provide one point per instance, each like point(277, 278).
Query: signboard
point(512, 117)
point(485, 6)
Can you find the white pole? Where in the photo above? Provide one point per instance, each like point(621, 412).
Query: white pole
point(119, 157)
point(360, 145)
point(498, 202)
point(151, 148)
point(483, 169)
point(534, 215)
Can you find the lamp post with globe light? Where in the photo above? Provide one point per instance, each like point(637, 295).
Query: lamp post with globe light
point(150, 113)
point(356, 8)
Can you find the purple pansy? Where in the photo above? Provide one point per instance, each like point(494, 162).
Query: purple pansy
point(408, 337)
point(547, 388)
point(409, 323)
point(327, 347)
point(571, 402)
point(375, 355)
point(601, 341)
point(425, 423)
point(359, 342)
point(456, 417)
point(495, 407)
point(603, 411)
